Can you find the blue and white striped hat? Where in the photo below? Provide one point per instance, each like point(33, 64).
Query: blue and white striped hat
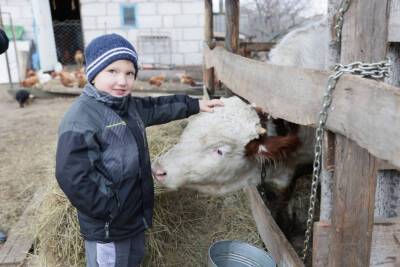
point(104, 50)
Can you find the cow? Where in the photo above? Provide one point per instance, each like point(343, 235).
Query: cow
point(225, 151)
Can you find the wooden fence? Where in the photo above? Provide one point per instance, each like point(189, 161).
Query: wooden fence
point(364, 120)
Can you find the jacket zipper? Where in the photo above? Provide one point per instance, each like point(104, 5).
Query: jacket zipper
point(145, 223)
point(107, 229)
point(107, 225)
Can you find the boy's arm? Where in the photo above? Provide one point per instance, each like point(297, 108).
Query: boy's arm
point(86, 188)
point(163, 109)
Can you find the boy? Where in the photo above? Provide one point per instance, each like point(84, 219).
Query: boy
point(102, 161)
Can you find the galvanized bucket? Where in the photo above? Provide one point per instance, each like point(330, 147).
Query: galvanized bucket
point(234, 253)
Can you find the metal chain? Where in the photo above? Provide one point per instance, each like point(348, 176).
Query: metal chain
point(344, 6)
point(374, 70)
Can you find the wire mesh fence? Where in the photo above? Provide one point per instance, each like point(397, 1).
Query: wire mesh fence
point(69, 39)
point(155, 48)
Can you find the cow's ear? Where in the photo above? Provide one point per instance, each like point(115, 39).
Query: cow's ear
point(280, 147)
point(273, 147)
point(262, 114)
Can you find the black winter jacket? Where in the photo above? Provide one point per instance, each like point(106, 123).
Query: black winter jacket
point(103, 163)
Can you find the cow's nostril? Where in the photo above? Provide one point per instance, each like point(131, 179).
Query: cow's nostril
point(159, 173)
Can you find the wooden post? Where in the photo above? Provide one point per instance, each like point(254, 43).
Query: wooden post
point(232, 29)
point(364, 39)
point(387, 204)
point(328, 155)
point(208, 74)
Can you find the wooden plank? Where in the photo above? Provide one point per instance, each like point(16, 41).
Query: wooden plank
point(232, 25)
point(361, 107)
point(354, 186)
point(273, 238)
point(256, 46)
point(232, 30)
point(385, 247)
point(394, 21)
point(364, 37)
point(328, 155)
point(208, 74)
point(20, 238)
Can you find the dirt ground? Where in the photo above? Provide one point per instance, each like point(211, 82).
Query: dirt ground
point(27, 151)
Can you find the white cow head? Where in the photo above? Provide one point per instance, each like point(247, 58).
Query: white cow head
point(218, 151)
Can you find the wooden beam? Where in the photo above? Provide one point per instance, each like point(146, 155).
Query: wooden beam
point(208, 74)
point(20, 239)
point(272, 236)
point(364, 110)
point(394, 21)
point(232, 29)
point(232, 25)
point(257, 46)
point(385, 247)
point(354, 186)
point(364, 37)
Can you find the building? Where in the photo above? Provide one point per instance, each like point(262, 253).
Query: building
point(164, 32)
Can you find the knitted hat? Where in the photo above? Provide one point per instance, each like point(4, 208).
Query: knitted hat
point(104, 50)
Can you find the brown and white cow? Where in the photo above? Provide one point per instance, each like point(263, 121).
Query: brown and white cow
point(222, 152)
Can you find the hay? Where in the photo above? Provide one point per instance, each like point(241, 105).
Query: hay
point(185, 223)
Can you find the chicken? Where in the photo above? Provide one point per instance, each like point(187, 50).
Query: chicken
point(157, 80)
point(67, 79)
point(186, 79)
point(30, 73)
point(23, 97)
point(79, 58)
point(30, 81)
point(81, 77)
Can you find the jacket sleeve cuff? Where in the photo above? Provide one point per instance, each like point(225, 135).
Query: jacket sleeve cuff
point(193, 106)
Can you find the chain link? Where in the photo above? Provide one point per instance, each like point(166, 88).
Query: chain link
point(374, 70)
point(344, 6)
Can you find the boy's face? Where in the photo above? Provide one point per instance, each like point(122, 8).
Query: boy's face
point(117, 79)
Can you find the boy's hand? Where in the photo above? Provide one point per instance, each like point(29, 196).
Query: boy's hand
point(207, 105)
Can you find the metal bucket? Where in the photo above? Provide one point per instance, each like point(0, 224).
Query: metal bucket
point(233, 253)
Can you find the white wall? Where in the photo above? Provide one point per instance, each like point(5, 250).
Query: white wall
point(181, 20)
point(22, 15)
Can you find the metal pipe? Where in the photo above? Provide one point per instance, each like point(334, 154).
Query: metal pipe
point(15, 45)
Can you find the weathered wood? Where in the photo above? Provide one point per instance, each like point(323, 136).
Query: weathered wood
point(385, 247)
point(364, 36)
point(328, 153)
point(273, 238)
point(394, 21)
point(387, 204)
point(361, 107)
point(256, 46)
point(354, 185)
point(208, 74)
point(232, 25)
point(232, 29)
point(245, 48)
point(20, 239)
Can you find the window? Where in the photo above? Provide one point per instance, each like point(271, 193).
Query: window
point(128, 13)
